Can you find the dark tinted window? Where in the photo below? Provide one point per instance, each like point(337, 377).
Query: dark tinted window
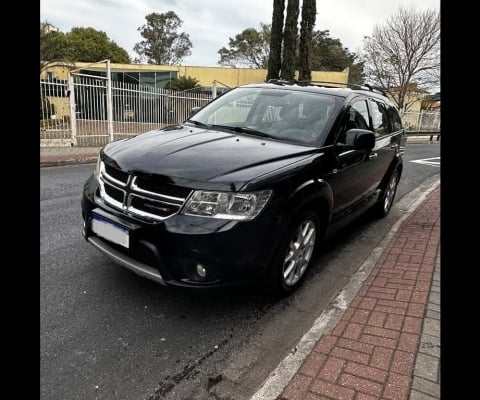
point(395, 121)
point(356, 117)
point(379, 117)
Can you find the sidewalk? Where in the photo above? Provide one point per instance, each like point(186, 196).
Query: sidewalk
point(387, 343)
point(51, 156)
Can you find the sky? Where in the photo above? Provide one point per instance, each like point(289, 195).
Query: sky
point(210, 23)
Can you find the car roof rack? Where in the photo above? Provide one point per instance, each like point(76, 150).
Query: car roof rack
point(353, 86)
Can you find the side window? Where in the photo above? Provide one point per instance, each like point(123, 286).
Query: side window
point(395, 120)
point(379, 117)
point(356, 117)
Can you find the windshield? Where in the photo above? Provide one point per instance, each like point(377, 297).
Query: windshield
point(294, 116)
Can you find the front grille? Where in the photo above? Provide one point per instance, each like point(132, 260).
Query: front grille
point(116, 174)
point(150, 206)
point(114, 193)
point(163, 188)
point(139, 196)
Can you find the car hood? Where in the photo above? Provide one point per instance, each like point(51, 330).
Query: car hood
point(202, 155)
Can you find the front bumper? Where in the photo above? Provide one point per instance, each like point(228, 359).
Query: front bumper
point(168, 251)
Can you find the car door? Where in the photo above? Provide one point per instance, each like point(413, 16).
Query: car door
point(386, 142)
point(353, 178)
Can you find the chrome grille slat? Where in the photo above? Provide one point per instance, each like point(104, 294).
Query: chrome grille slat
point(148, 205)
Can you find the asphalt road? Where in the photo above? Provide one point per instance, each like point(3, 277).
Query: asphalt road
point(108, 334)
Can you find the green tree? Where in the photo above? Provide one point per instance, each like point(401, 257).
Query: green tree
point(249, 48)
point(328, 54)
point(162, 43)
point(184, 83)
point(290, 40)
point(53, 46)
point(90, 45)
point(309, 12)
point(276, 40)
point(404, 52)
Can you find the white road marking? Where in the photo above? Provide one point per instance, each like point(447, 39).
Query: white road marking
point(434, 161)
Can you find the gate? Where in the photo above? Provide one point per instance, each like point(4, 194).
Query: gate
point(96, 111)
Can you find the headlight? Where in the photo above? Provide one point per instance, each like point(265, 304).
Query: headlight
point(96, 173)
point(237, 206)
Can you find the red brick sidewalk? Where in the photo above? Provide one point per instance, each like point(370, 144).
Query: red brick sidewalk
point(370, 354)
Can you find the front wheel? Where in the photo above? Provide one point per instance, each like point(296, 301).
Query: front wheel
point(295, 253)
point(388, 195)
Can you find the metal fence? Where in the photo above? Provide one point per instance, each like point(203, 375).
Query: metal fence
point(424, 121)
point(92, 111)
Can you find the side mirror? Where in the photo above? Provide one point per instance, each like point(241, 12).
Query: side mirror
point(360, 139)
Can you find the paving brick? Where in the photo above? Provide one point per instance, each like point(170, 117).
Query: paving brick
point(426, 367)
point(311, 396)
point(408, 342)
point(412, 325)
point(331, 369)
point(351, 355)
point(397, 387)
point(434, 298)
point(360, 316)
point(355, 345)
point(400, 286)
point(416, 310)
point(380, 295)
point(363, 396)
point(297, 387)
point(414, 395)
point(377, 319)
point(433, 314)
point(367, 303)
point(426, 386)
point(312, 364)
point(391, 310)
point(331, 390)
point(394, 321)
point(379, 341)
point(419, 297)
point(431, 326)
point(364, 371)
point(325, 344)
point(393, 303)
point(382, 332)
point(353, 331)
point(338, 330)
point(403, 295)
point(362, 385)
point(403, 362)
point(381, 358)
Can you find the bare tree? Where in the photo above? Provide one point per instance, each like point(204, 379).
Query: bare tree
point(404, 52)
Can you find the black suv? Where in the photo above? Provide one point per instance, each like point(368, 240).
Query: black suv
point(247, 187)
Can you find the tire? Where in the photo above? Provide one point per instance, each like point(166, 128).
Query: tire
point(385, 202)
point(295, 253)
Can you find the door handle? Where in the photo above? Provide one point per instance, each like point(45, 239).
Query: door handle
point(394, 146)
point(372, 156)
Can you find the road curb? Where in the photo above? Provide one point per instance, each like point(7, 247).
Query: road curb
point(286, 369)
point(57, 163)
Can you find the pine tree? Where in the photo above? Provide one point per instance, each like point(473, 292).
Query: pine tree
point(290, 40)
point(274, 59)
point(309, 11)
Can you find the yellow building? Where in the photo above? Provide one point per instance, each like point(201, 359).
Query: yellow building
point(161, 75)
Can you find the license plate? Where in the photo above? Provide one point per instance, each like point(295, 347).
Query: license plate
point(110, 231)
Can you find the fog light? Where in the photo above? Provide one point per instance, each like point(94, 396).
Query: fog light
point(201, 271)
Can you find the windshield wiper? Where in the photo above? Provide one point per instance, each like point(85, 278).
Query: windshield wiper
point(244, 129)
point(197, 123)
